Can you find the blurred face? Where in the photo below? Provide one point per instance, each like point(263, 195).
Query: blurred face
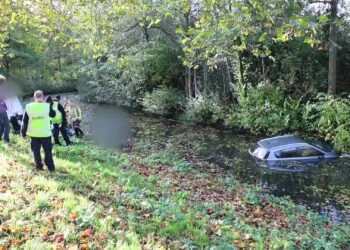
point(39, 99)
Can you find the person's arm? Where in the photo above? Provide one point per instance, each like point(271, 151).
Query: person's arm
point(52, 112)
point(25, 124)
point(79, 113)
point(64, 116)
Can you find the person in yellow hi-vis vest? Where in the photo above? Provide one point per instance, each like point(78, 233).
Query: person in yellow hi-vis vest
point(59, 122)
point(37, 125)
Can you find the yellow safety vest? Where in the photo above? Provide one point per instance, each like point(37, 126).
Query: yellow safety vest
point(39, 120)
point(58, 118)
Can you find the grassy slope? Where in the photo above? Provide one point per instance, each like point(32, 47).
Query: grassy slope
point(98, 199)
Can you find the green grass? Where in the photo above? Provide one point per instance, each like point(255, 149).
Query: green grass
point(98, 199)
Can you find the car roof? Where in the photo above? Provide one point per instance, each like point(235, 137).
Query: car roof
point(279, 141)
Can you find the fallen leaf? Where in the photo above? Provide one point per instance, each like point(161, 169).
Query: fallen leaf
point(210, 211)
point(73, 217)
point(58, 238)
point(16, 243)
point(87, 233)
point(5, 227)
point(84, 246)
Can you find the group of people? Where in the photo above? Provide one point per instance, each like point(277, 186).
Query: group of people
point(11, 111)
point(41, 120)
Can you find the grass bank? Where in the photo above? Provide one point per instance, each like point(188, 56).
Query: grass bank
point(100, 199)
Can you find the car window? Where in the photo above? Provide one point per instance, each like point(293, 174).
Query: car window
point(309, 152)
point(287, 153)
point(298, 152)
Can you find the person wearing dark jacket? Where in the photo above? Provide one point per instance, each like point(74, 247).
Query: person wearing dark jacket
point(36, 124)
point(4, 121)
point(59, 122)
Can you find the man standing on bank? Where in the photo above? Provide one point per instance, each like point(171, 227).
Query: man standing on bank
point(37, 125)
point(59, 122)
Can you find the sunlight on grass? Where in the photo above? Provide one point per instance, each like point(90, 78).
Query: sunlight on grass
point(98, 199)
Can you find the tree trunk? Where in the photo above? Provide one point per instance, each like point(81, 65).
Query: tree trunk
point(241, 72)
point(205, 77)
point(332, 64)
point(145, 30)
point(228, 71)
point(189, 82)
point(263, 68)
point(195, 82)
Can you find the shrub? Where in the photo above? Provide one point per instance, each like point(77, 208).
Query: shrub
point(329, 117)
point(164, 101)
point(264, 109)
point(204, 109)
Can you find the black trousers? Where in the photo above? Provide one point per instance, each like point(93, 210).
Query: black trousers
point(4, 126)
point(56, 132)
point(14, 122)
point(77, 130)
point(46, 143)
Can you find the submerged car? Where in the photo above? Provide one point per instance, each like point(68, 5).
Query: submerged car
point(289, 148)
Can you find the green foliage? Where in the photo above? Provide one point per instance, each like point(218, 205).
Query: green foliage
point(263, 109)
point(127, 80)
point(328, 116)
point(204, 109)
point(164, 101)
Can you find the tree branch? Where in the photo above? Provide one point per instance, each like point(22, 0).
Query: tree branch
point(172, 38)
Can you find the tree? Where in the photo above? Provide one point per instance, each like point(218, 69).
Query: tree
point(332, 44)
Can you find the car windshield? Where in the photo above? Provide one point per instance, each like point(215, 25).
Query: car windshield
point(321, 145)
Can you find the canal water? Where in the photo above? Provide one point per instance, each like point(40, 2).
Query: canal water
point(324, 188)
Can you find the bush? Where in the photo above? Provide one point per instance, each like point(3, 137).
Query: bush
point(164, 101)
point(114, 91)
point(48, 81)
point(204, 109)
point(125, 79)
point(263, 109)
point(329, 117)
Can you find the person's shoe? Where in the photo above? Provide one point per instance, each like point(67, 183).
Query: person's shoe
point(39, 169)
point(57, 144)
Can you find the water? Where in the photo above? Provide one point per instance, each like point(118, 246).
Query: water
point(324, 188)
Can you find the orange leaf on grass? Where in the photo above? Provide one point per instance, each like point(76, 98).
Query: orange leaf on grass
point(73, 217)
point(58, 238)
point(87, 233)
point(84, 246)
point(16, 243)
point(5, 227)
